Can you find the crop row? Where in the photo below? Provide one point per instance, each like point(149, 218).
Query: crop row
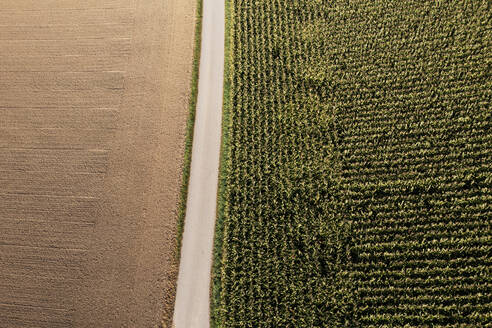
point(358, 186)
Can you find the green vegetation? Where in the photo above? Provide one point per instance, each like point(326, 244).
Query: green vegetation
point(190, 124)
point(224, 166)
point(356, 181)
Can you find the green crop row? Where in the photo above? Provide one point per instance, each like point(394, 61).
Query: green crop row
point(356, 186)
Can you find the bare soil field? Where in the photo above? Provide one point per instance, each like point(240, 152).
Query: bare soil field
point(93, 109)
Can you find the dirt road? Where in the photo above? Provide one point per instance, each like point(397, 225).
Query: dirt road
point(93, 109)
point(192, 299)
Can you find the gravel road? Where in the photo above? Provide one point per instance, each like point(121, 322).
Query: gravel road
point(193, 293)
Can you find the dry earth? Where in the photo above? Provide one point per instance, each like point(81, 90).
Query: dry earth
point(93, 109)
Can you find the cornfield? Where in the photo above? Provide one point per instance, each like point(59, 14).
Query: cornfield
point(358, 185)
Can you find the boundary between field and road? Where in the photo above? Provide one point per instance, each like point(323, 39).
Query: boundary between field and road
point(190, 124)
point(224, 166)
point(192, 306)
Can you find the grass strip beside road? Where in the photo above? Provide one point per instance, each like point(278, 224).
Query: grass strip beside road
point(190, 127)
point(190, 124)
point(224, 166)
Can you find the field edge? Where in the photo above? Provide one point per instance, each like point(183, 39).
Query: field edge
point(224, 166)
point(190, 125)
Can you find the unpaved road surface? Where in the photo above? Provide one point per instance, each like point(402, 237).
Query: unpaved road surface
point(193, 293)
point(93, 108)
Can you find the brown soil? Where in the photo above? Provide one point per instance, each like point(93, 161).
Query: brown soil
point(93, 108)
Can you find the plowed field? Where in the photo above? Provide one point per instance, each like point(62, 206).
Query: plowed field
point(93, 110)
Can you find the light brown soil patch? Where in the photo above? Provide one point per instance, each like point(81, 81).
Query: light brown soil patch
point(93, 108)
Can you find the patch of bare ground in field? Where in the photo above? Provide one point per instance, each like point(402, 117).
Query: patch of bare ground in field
point(93, 109)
